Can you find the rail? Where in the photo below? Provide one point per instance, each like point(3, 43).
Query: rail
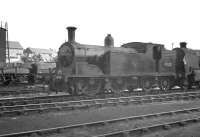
point(93, 103)
point(136, 131)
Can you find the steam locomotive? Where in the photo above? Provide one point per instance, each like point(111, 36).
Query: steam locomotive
point(93, 69)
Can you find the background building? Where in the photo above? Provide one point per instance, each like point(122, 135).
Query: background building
point(3, 40)
point(43, 55)
point(15, 52)
point(10, 51)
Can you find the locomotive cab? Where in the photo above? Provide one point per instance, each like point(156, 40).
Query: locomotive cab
point(187, 66)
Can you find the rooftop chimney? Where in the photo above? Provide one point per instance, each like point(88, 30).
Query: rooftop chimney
point(183, 45)
point(71, 34)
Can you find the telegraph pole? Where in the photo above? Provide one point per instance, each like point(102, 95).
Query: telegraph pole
point(7, 42)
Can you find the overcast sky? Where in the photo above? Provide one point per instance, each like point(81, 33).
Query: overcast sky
point(42, 23)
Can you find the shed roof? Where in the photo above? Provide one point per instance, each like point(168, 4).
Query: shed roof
point(41, 51)
point(15, 45)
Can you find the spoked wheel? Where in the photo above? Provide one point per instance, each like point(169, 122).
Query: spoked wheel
point(165, 84)
point(84, 86)
point(92, 87)
point(75, 86)
point(117, 84)
point(108, 86)
point(80, 87)
point(133, 84)
point(146, 85)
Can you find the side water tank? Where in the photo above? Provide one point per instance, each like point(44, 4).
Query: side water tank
point(109, 41)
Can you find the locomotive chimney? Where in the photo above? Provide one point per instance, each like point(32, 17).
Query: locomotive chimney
point(71, 34)
point(183, 45)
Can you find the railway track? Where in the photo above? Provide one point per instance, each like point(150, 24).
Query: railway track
point(17, 92)
point(62, 98)
point(93, 103)
point(34, 100)
point(122, 127)
point(21, 90)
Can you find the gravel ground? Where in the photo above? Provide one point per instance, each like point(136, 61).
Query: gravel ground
point(49, 120)
point(187, 131)
point(39, 91)
point(124, 125)
point(33, 95)
point(39, 88)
